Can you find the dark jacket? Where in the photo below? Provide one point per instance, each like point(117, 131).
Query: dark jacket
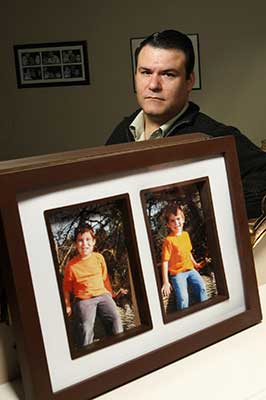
point(251, 158)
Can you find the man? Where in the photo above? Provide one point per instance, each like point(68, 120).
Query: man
point(164, 78)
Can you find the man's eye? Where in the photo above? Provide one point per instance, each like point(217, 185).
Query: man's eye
point(145, 72)
point(169, 74)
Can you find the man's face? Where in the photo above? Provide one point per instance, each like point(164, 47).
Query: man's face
point(161, 84)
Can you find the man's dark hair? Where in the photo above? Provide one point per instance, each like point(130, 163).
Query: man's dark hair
point(171, 39)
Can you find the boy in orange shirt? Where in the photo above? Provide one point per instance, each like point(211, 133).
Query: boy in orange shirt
point(86, 277)
point(178, 262)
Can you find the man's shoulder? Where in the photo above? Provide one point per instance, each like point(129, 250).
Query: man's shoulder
point(121, 133)
point(192, 121)
point(214, 127)
point(126, 120)
point(198, 121)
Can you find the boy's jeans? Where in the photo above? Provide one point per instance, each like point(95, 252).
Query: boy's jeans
point(180, 283)
point(85, 311)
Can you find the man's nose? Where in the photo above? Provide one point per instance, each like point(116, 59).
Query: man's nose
point(155, 82)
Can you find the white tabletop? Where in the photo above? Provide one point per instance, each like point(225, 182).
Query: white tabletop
point(234, 368)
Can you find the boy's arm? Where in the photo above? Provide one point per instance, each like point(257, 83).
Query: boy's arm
point(166, 288)
point(67, 302)
point(105, 275)
point(120, 292)
point(195, 263)
point(107, 282)
point(67, 289)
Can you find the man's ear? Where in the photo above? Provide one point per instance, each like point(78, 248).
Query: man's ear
point(135, 79)
point(191, 81)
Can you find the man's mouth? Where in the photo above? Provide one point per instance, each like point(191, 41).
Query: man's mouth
point(154, 98)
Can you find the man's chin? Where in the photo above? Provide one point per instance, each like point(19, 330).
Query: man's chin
point(155, 114)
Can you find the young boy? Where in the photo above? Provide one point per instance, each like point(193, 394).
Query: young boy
point(178, 262)
point(86, 277)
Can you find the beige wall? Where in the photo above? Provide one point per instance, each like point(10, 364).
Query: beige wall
point(42, 120)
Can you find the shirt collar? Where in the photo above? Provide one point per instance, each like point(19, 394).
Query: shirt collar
point(137, 126)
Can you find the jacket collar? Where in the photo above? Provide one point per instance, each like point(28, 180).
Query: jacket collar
point(185, 119)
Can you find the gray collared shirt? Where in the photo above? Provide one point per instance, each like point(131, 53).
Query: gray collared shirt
point(137, 126)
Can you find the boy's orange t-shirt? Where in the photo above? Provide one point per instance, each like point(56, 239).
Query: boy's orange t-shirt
point(87, 278)
point(177, 251)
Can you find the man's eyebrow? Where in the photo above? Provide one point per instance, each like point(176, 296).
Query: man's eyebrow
point(173, 70)
point(170, 70)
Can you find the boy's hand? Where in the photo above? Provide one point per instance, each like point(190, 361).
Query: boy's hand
point(199, 265)
point(166, 289)
point(68, 311)
point(121, 292)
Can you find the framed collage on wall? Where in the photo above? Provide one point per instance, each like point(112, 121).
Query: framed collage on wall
point(46, 198)
point(52, 64)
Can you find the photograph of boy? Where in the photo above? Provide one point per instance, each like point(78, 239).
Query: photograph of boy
point(179, 268)
point(86, 279)
point(185, 247)
point(98, 273)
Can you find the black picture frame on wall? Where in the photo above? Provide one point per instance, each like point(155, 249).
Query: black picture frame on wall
point(52, 64)
point(194, 37)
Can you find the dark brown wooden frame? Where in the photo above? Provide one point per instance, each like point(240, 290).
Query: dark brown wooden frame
point(136, 273)
point(45, 172)
point(213, 245)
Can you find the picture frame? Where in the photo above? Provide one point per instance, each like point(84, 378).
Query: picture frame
point(194, 37)
point(194, 201)
point(52, 64)
point(33, 185)
point(110, 219)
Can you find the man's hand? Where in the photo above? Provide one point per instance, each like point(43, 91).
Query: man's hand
point(166, 289)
